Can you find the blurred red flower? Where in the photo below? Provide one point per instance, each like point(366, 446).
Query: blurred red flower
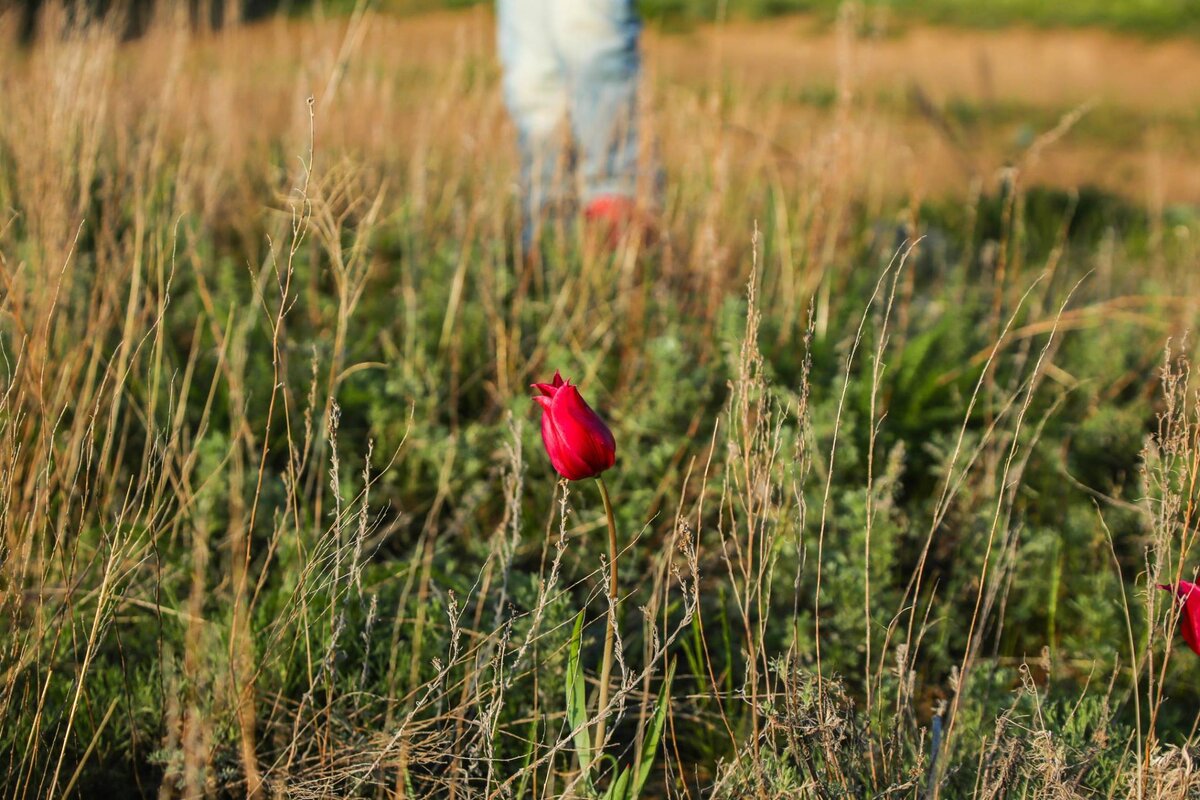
point(1189, 617)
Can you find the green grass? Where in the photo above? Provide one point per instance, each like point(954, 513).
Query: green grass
point(275, 504)
point(1149, 17)
point(1145, 17)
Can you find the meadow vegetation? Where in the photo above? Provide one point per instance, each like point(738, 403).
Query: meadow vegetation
point(1153, 18)
point(1146, 17)
point(897, 472)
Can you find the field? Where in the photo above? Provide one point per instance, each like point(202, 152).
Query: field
point(906, 429)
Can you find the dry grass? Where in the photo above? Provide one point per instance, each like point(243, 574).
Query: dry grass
point(210, 241)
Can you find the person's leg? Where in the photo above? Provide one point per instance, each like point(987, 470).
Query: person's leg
point(598, 42)
point(535, 92)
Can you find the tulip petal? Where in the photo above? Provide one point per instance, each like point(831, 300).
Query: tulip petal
point(1189, 622)
point(583, 431)
point(564, 460)
point(1189, 615)
point(578, 442)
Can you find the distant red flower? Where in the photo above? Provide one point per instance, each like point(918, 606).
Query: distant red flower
point(1189, 617)
point(578, 442)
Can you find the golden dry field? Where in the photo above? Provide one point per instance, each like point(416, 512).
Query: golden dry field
point(906, 430)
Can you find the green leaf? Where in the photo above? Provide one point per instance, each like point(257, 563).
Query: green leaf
point(577, 700)
point(533, 742)
point(618, 789)
point(650, 746)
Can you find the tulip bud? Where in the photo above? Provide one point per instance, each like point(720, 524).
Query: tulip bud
point(578, 442)
point(1189, 618)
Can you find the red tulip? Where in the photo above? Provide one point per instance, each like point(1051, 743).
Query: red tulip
point(578, 442)
point(1189, 618)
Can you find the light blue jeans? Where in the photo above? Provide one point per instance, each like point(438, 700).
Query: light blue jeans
point(571, 62)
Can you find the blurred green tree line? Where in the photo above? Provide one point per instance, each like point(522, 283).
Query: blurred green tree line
point(1146, 17)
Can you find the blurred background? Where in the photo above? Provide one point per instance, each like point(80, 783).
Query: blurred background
point(901, 390)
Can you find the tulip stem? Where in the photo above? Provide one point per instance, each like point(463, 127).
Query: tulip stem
point(611, 619)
